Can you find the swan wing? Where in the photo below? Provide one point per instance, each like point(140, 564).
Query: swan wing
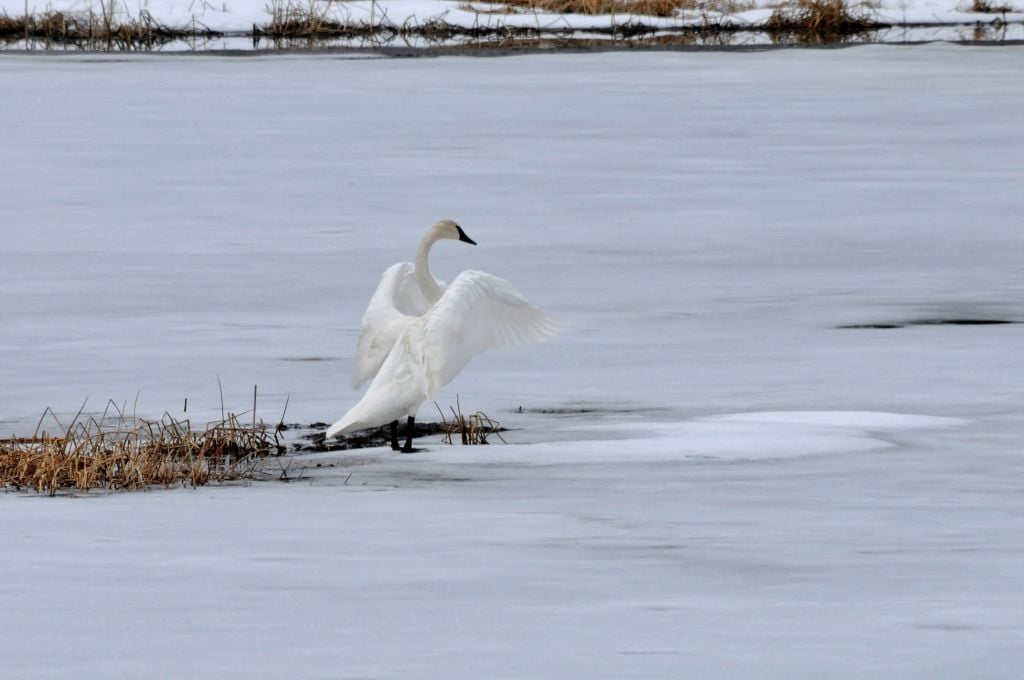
point(477, 311)
point(397, 300)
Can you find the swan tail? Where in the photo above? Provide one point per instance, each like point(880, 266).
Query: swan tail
point(350, 422)
point(340, 427)
point(370, 411)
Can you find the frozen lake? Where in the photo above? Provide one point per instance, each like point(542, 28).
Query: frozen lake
point(699, 221)
point(702, 223)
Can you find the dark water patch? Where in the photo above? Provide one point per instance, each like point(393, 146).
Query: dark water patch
point(580, 411)
point(429, 477)
point(589, 410)
point(558, 411)
point(931, 322)
point(960, 322)
point(305, 359)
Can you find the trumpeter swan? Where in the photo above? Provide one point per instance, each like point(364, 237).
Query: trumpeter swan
point(418, 334)
point(405, 291)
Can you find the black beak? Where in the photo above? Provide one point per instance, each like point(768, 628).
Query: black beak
point(463, 237)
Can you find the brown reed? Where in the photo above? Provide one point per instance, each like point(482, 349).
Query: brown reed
point(472, 430)
point(119, 452)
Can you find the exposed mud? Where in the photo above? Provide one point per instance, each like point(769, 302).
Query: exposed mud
point(311, 438)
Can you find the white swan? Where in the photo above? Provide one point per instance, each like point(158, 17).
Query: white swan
point(418, 334)
point(405, 291)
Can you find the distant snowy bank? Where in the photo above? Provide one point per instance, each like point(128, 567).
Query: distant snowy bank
point(421, 22)
point(234, 16)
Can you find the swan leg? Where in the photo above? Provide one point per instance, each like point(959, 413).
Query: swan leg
point(395, 446)
point(409, 430)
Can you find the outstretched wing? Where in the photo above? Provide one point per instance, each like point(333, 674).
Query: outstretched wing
point(397, 300)
point(476, 312)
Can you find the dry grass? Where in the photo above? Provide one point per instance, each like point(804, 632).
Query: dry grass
point(654, 8)
point(819, 21)
point(472, 430)
point(11, 25)
point(101, 27)
point(315, 21)
point(986, 7)
point(309, 23)
point(116, 451)
point(301, 18)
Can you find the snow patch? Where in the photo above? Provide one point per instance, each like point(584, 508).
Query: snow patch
point(728, 437)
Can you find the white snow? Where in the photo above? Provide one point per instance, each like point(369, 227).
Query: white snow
point(707, 477)
point(739, 436)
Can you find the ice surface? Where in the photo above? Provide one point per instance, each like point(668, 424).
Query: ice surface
point(866, 420)
point(738, 436)
point(701, 223)
point(472, 562)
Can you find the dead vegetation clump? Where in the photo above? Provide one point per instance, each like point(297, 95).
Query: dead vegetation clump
point(987, 7)
point(472, 430)
point(301, 19)
point(105, 29)
point(654, 8)
point(121, 453)
point(314, 21)
point(819, 21)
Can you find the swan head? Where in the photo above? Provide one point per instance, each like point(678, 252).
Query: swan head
point(449, 229)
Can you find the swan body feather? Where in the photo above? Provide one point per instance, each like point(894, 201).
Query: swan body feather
point(396, 301)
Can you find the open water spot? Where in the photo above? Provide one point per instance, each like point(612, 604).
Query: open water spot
point(431, 477)
point(930, 322)
point(960, 322)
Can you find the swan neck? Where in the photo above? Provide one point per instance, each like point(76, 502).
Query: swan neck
point(431, 290)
